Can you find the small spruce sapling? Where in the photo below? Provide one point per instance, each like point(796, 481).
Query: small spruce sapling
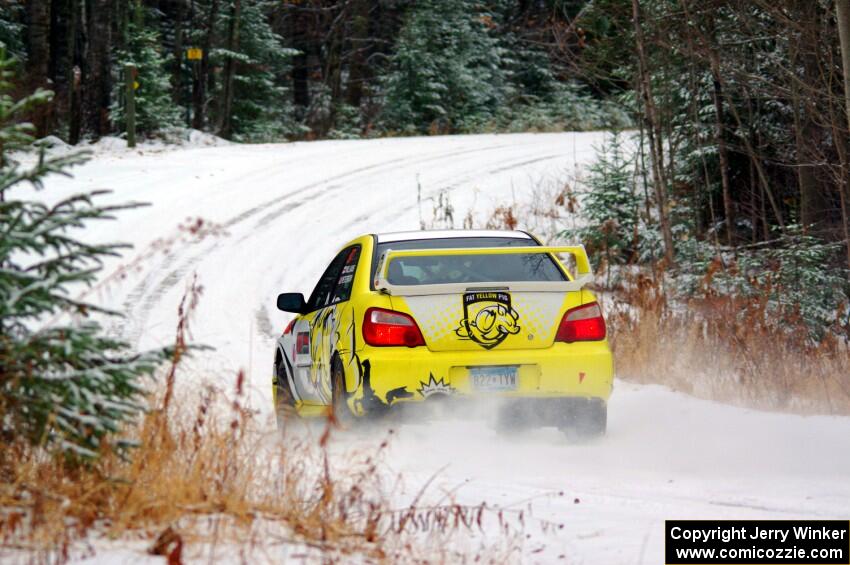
point(64, 383)
point(610, 207)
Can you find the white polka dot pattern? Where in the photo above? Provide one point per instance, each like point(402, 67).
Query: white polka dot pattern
point(440, 315)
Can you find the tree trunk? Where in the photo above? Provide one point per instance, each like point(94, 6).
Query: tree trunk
point(813, 202)
point(656, 144)
point(357, 67)
point(695, 89)
point(753, 154)
point(841, 179)
point(38, 32)
point(842, 8)
point(728, 209)
point(130, 103)
point(38, 60)
point(298, 29)
point(754, 189)
point(333, 64)
point(178, 51)
point(225, 122)
point(59, 43)
point(74, 75)
point(199, 91)
point(811, 206)
point(97, 84)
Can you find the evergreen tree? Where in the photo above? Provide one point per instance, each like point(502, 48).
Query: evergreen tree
point(610, 207)
point(446, 73)
point(11, 29)
point(63, 384)
point(155, 108)
point(529, 69)
point(261, 110)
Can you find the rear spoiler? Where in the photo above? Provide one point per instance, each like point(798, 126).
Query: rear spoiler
point(583, 275)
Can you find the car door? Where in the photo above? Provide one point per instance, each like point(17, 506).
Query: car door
point(336, 319)
point(315, 331)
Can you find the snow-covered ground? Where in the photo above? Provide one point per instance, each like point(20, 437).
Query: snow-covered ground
point(281, 211)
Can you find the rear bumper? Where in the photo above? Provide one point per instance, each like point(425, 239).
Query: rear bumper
point(403, 375)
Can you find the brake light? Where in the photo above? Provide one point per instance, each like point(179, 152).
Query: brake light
point(584, 323)
point(383, 328)
point(301, 345)
point(289, 326)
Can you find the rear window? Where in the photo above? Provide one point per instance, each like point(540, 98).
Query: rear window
point(413, 271)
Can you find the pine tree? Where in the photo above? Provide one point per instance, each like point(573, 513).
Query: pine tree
point(261, 110)
point(446, 73)
point(155, 108)
point(11, 29)
point(529, 68)
point(610, 207)
point(64, 383)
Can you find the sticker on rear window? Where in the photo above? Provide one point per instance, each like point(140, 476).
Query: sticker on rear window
point(488, 318)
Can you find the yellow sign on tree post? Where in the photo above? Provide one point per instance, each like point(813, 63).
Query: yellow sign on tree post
point(194, 54)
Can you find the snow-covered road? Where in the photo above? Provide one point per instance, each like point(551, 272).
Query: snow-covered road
point(283, 210)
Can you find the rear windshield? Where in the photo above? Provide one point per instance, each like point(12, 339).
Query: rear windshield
point(413, 271)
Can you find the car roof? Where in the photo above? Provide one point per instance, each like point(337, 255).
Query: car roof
point(449, 234)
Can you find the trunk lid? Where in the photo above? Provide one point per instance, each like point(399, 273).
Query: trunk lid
point(456, 312)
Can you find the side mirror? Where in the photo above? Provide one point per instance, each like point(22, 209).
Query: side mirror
point(291, 302)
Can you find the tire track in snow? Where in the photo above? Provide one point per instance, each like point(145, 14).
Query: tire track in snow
point(262, 312)
point(275, 214)
point(139, 304)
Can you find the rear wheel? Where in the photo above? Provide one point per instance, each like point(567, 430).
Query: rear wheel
point(588, 421)
point(342, 413)
point(512, 420)
point(284, 400)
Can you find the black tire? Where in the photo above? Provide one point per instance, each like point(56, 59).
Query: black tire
point(512, 420)
point(590, 421)
point(339, 405)
point(284, 399)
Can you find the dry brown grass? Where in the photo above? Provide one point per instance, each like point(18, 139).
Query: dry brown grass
point(211, 465)
point(726, 349)
point(545, 210)
point(211, 480)
point(720, 348)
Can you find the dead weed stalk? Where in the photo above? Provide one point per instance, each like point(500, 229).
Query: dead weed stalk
point(207, 474)
point(725, 348)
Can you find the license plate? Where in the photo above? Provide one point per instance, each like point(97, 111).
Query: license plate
point(493, 378)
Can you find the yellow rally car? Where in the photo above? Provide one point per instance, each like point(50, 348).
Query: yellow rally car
point(409, 317)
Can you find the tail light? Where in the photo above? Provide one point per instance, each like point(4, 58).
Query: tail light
point(584, 323)
point(301, 345)
point(382, 328)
